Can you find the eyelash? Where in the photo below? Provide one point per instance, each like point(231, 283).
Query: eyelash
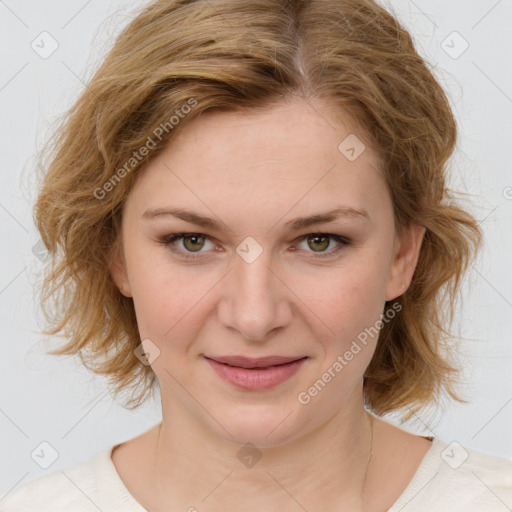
point(168, 241)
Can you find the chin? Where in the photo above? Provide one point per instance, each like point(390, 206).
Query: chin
point(262, 425)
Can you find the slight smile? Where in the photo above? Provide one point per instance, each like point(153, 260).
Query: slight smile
point(255, 373)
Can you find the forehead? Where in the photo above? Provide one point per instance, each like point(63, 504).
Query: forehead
point(289, 158)
point(294, 131)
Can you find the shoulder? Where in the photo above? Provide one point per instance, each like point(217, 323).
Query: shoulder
point(486, 477)
point(72, 488)
point(464, 467)
point(453, 477)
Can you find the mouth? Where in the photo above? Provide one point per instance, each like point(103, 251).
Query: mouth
point(255, 373)
point(260, 362)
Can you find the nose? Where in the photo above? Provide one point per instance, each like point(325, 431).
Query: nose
point(255, 300)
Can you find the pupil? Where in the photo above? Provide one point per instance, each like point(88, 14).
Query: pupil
point(193, 239)
point(318, 238)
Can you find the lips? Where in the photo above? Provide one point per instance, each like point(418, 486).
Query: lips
point(260, 362)
point(255, 374)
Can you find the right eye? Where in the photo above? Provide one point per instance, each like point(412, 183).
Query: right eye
point(192, 243)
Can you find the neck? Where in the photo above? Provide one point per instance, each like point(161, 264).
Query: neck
point(325, 468)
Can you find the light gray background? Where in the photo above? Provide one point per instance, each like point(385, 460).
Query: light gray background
point(54, 400)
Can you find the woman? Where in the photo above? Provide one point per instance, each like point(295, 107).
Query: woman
point(250, 205)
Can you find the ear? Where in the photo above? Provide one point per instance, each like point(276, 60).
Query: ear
point(407, 252)
point(118, 271)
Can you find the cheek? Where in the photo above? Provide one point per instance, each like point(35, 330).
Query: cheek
point(166, 305)
point(347, 302)
point(172, 303)
point(162, 293)
point(351, 292)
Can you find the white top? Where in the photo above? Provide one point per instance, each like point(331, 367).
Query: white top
point(450, 478)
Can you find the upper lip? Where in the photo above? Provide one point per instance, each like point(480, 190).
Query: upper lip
point(259, 362)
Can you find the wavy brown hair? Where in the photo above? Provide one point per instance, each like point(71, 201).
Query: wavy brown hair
point(238, 55)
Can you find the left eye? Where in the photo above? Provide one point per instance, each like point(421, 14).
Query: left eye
point(194, 242)
point(323, 240)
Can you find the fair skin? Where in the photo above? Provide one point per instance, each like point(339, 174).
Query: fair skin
point(252, 172)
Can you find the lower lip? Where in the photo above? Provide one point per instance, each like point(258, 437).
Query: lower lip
point(256, 379)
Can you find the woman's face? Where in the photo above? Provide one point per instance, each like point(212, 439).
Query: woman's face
point(255, 281)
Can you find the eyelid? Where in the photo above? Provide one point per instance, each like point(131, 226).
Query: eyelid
point(168, 242)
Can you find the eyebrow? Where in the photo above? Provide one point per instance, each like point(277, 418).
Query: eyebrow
point(295, 224)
